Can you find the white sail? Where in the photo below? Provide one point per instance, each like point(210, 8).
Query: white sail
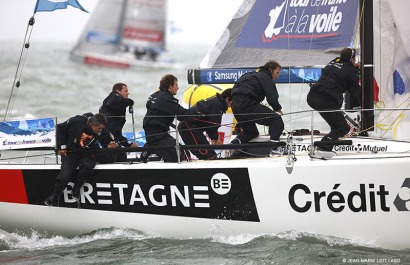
point(392, 66)
point(145, 23)
point(102, 32)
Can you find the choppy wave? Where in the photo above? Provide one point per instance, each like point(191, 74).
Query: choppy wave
point(127, 246)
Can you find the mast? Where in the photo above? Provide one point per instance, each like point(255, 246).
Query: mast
point(366, 40)
point(122, 23)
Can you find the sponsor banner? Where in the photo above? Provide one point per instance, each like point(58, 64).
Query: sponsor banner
point(139, 139)
point(202, 193)
point(310, 24)
point(27, 134)
point(342, 197)
point(229, 76)
point(140, 34)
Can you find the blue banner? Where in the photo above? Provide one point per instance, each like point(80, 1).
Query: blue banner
point(310, 24)
point(230, 76)
point(27, 134)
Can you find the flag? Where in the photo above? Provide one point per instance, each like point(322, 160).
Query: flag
point(401, 50)
point(51, 5)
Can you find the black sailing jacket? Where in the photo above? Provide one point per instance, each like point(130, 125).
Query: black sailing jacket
point(114, 107)
point(212, 108)
point(76, 134)
point(337, 77)
point(162, 107)
point(258, 85)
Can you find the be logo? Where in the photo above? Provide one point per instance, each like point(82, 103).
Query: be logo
point(402, 201)
point(220, 183)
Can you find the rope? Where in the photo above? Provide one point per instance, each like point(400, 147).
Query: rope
point(19, 71)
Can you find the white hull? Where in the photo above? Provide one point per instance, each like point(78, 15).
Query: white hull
point(355, 199)
point(121, 60)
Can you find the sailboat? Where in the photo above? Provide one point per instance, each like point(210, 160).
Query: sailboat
point(125, 34)
point(361, 195)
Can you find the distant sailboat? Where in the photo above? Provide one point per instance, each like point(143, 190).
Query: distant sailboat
point(124, 34)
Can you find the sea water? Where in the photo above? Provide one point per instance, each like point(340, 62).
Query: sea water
point(54, 86)
point(122, 246)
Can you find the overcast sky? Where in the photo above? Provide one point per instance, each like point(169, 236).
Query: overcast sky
point(199, 20)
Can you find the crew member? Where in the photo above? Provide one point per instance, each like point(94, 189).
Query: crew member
point(192, 131)
point(114, 108)
point(248, 93)
point(162, 108)
point(339, 75)
point(73, 137)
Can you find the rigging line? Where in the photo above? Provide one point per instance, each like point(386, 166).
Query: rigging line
point(14, 89)
point(193, 137)
point(289, 56)
point(397, 117)
point(305, 66)
point(380, 47)
point(397, 108)
point(360, 21)
point(303, 83)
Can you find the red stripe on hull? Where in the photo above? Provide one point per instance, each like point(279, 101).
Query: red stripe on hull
point(105, 63)
point(12, 188)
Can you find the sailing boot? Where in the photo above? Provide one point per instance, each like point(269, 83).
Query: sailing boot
point(76, 192)
point(323, 153)
point(279, 151)
point(235, 153)
point(144, 156)
point(51, 200)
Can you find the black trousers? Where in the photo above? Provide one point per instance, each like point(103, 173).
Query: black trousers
point(192, 134)
point(69, 163)
point(157, 138)
point(335, 119)
point(248, 112)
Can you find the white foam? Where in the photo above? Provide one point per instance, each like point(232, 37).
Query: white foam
point(35, 241)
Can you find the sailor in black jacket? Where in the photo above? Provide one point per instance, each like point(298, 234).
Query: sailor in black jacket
point(248, 93)
point(73, 136)
point(339, 75)
point(114, 107)
point(192, 131)
point(162, 107)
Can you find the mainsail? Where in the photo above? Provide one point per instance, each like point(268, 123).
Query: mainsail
point(300, 33)
point(285, 30)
